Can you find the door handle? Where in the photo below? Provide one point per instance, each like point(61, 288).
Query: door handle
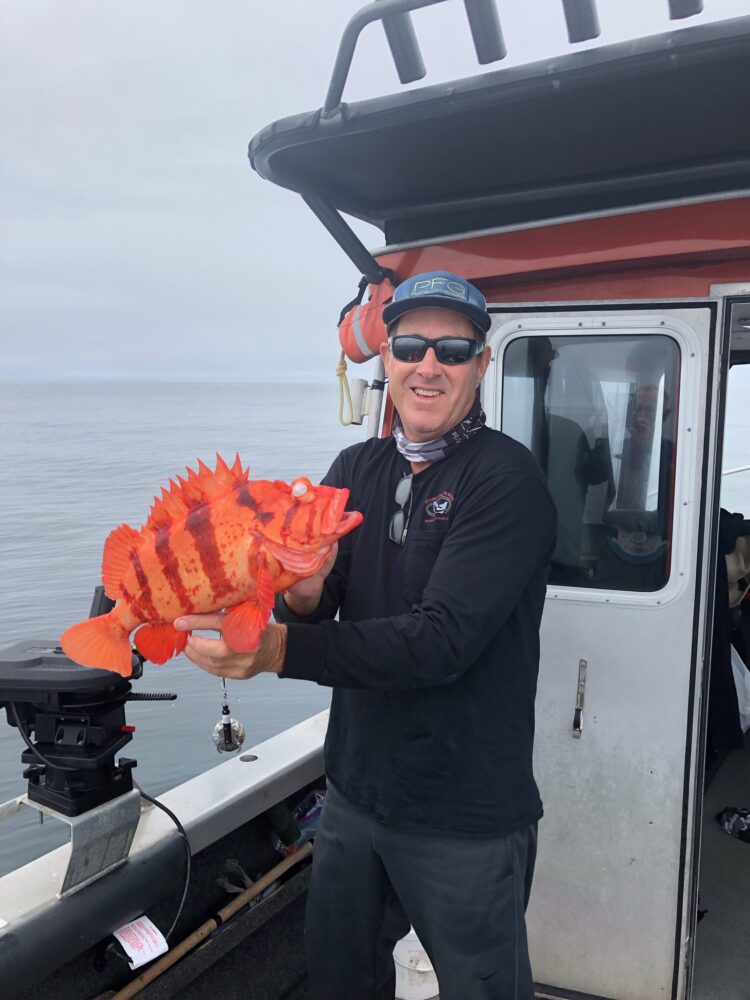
point(580, 692)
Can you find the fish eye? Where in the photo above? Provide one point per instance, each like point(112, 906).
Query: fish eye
point(300, 487)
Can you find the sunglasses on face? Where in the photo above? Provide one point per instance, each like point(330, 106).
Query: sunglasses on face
point(448, 350)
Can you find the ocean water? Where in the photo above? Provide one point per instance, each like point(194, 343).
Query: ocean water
point(78, 459)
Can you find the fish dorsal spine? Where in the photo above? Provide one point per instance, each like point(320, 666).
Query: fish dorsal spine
point(201, 487)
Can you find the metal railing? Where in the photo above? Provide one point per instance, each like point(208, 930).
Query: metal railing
point(581, 19)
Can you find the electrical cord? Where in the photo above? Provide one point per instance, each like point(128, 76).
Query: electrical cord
point(144, 795)
point(188, 858)
point(27, 740)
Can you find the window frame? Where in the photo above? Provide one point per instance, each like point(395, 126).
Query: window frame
point(613, 323)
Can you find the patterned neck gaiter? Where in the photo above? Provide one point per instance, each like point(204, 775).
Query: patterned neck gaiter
point(434, 451)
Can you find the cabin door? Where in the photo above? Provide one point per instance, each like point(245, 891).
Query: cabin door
point(612, 404)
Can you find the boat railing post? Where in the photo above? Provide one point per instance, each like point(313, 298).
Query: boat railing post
point(375, 400)
point(377, 11)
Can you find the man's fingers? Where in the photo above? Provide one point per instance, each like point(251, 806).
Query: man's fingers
point(212, 655)
point(328, 564)
point(189, 623)
point(204, 647)
point(215, 657)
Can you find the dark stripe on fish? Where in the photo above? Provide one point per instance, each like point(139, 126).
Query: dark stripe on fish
point(246, 499)
point(311, 521)
point(288, 518)
point(171, 569)
point(146, 609)
point(198, 523)
point(136, 605)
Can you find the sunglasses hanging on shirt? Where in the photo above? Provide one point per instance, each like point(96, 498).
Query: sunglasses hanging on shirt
point(400, 519)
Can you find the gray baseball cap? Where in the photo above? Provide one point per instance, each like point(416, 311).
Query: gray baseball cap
point(442, 289)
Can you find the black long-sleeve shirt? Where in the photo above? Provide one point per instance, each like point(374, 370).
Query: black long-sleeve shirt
point(435, 655)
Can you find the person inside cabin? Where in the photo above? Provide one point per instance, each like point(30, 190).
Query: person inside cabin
point(431, 814)
point(638, 539)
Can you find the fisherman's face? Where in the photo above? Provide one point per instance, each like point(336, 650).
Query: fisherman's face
point(431, 398)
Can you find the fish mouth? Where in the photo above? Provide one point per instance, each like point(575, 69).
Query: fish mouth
point(334, 513)
point(337, 522)
point(302, 562)
point(306, 559)
point(349, 520)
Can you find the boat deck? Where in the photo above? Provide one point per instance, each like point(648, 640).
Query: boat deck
point(722, 957)
point(722, 962)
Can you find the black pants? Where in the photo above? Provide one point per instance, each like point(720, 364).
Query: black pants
point(465, 897)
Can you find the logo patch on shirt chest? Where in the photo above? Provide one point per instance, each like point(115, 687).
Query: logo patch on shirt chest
point(438, 508)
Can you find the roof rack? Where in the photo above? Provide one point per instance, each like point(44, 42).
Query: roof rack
point(581, 18)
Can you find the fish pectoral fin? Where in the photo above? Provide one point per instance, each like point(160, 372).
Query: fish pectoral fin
point(264, 589)
point(243, 623)
point(159, 643)
point(242, 626)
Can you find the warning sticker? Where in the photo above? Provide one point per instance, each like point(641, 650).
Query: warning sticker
point(142, 940)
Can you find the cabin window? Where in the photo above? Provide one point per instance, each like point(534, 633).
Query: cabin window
point(600, 415)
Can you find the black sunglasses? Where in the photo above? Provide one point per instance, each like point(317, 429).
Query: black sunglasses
point(400, 519)
point(448, 350)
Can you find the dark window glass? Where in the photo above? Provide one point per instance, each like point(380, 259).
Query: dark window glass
point(600, 415)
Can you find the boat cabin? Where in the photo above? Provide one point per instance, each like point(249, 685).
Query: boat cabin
point(601, 201)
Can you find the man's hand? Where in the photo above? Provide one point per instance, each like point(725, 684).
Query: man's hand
point(304, 597)
point(215, 657)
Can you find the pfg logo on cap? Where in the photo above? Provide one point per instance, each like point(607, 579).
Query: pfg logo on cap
point(440, 286)
point(442, 289)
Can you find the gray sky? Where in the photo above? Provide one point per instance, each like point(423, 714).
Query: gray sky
point(136, 241)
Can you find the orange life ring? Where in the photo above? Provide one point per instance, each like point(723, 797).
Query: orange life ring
point(362, 330)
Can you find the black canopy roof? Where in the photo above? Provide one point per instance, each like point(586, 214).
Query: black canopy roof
point(656, 119)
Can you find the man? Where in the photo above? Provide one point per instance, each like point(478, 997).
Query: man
point(432, 807)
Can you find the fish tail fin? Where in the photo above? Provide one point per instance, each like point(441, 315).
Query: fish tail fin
point(100, 642)
point(159, 643)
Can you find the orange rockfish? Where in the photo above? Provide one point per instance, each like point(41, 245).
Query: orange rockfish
point(214, 540)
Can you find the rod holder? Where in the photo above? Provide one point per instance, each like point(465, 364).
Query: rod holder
point(404, 47)
point(684, 8)
point(581, 19)
point(486, 32)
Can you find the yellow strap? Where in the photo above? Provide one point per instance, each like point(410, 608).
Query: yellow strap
point(344, 391)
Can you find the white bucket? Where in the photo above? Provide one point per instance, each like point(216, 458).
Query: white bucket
point(415, 977)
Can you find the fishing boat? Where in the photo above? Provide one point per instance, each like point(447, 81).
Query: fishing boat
point(601, 202)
